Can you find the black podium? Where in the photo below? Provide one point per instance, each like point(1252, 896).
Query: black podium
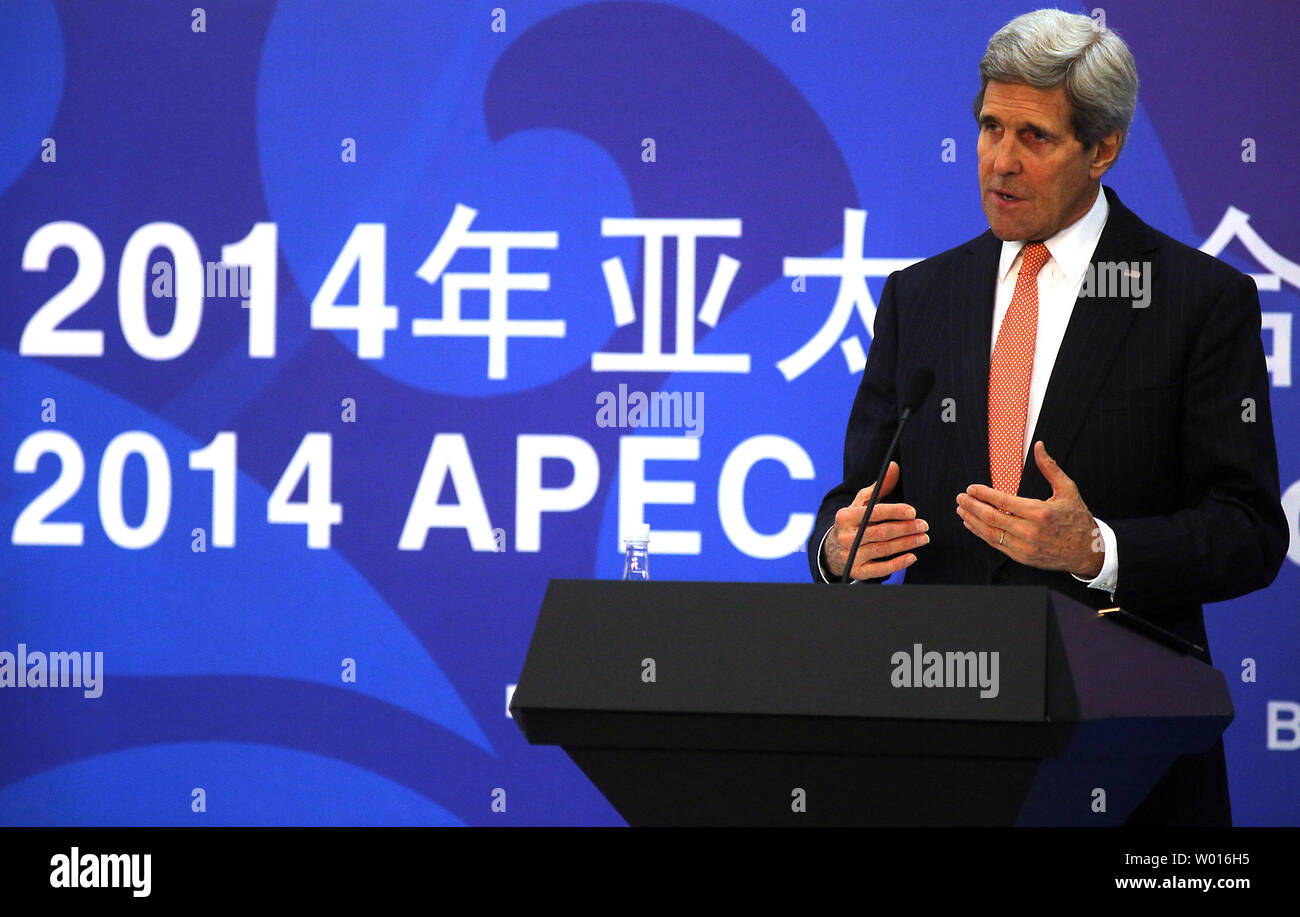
point(784, 704)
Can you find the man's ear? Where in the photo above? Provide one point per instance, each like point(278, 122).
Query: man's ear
point(1104, 153)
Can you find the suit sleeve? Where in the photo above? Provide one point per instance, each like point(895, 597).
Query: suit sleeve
point(872, 423)
point(1231, 536)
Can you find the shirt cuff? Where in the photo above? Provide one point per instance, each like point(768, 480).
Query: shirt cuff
point(1108, 579)
point(821, 560)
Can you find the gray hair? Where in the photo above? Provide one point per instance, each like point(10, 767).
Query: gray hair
point(1049, 48)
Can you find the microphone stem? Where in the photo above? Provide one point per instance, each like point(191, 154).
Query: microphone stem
point(875, 497)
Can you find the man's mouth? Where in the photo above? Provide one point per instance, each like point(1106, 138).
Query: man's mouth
point(1003, 196)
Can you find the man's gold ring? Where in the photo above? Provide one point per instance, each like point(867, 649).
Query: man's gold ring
point(1003, 537)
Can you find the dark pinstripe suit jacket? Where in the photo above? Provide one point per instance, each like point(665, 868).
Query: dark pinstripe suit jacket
point(1144, 411)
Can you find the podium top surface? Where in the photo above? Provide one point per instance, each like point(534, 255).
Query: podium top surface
point(1011, 654)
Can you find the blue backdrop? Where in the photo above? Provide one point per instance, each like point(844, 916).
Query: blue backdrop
point(307, 509)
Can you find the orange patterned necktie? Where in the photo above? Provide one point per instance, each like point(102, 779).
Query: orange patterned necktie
point(1009, 373)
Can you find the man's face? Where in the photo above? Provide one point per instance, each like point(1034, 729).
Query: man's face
point(1036, 178)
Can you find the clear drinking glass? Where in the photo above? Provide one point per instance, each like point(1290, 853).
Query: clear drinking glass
point(636, 560)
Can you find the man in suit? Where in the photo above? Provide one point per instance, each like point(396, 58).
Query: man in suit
point(1100, 419)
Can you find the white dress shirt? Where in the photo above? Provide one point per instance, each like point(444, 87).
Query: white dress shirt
point(1059, 283)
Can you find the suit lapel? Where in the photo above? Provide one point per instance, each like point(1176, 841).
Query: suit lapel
point(1092, 339)
point(973, 322)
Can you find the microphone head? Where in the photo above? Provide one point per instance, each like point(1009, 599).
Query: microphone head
point(918, 388)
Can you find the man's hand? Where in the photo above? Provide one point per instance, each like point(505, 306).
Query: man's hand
point(893, 528)
point(1054, 534)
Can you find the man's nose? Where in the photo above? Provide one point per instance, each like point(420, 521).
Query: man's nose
point(1006, 159)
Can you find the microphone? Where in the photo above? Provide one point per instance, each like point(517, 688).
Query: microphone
point(918, 389)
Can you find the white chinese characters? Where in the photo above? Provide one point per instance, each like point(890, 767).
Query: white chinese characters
point(652, 357)
point(498, 327)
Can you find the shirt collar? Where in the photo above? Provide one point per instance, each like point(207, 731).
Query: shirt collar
point(1071, 248)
